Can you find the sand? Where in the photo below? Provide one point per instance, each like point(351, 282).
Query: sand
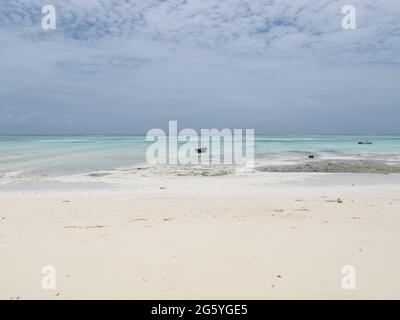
point(261, 236)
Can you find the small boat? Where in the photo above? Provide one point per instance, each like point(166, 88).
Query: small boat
point(201, 150)
point(364, 142)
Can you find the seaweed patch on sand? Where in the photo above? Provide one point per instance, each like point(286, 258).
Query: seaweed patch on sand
point(336, 166)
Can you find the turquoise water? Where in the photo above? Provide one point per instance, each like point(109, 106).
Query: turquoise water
point(80, 154)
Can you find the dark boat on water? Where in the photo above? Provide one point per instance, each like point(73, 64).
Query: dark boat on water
point(201, 150)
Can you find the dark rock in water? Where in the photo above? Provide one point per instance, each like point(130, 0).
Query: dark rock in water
point(201, 150)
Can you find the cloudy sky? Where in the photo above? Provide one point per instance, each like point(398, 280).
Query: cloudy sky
point(278, 66)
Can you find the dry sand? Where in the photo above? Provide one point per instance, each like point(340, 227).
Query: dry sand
point(254, 236)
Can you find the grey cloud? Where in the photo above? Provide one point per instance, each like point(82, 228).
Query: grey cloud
point(277, 66)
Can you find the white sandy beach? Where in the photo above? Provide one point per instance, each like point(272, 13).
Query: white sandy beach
point(224, 150)
point(262, 236)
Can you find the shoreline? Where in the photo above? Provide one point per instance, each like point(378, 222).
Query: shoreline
point(303, 165)
point(242, 182)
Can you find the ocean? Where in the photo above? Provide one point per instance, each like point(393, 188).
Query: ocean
point(75, 154)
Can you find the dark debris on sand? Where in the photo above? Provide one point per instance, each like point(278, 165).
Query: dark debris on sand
point(336, 166)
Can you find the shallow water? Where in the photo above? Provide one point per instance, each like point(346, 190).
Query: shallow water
point(60, 155)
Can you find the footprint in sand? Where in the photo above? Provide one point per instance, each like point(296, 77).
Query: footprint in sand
point(85, 227)
point(338, 200)
point(137, 220)
point(288, 215)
